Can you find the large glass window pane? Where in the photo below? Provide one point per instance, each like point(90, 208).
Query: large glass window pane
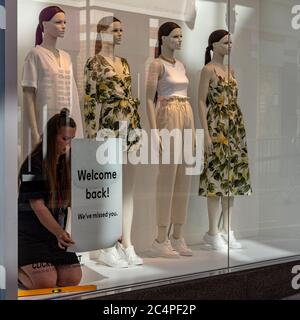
point(103, 85)
point(266, 60)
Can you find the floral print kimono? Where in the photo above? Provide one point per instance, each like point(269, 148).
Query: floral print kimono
point(109, 108)
point(226, 169)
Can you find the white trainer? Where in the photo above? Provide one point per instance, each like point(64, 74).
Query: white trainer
point(180, 246)
point(129, 255)
point(94, 255)
point(112, 258)
point(233, 243)
point(217, 242)
point(163, 250)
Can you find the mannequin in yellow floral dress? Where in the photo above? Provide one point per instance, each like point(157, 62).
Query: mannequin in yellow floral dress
point(109, 101)
point(226, 168)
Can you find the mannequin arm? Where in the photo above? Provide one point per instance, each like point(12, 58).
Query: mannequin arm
point(29, 98)
point(155, 71)
point(203, 90)
point(91, 104)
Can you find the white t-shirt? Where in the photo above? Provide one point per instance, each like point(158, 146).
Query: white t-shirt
point(174, 81)
point(55, 86)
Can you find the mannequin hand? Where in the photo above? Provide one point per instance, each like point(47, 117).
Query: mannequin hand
point(160, 145)
point(64, 240)
point(194, 147)
point(208, 144)
point(157, 143)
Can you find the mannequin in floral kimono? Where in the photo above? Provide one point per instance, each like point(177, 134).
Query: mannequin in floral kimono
point(108, 100)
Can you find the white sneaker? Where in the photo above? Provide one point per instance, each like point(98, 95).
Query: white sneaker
point(163, 250)
point(112, 258)
point(94, 255)
point(180, 246)
point(129, 255)
point(233, 243)
point(217, 242)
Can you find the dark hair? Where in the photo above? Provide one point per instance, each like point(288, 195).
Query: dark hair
point(164, 30)
point(215, 36)
point(49, 162)
point(46, 15)
point(103, 25)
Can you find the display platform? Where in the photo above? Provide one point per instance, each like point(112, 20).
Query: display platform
point(205, 262)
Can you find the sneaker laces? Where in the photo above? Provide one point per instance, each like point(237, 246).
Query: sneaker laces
point(169, 246)
point(130, 252)
point(181, 242)
point(116, 254)
point(219, 239)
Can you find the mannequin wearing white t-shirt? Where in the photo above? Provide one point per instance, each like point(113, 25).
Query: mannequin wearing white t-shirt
point(52, 30)
point(167, 80)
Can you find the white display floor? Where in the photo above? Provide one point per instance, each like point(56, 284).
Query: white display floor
point(254, 250)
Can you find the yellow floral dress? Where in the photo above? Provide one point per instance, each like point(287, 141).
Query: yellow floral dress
point(108, 98)
point(226, 169)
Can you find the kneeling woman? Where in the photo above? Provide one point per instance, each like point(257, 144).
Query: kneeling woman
point(44, 198)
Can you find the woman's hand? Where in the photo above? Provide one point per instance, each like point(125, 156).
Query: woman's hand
point(208, 143)
point(47, 220)
point(64, 240)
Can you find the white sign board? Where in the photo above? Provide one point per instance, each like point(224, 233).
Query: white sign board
point(96, 220)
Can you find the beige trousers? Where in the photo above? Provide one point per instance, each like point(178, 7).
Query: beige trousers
point(173, 185)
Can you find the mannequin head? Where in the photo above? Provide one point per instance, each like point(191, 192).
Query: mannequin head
point(109, 30)
point(219, 42)
point(51, 21)
point(170, 35)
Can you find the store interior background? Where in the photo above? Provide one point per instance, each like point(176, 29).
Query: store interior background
point(265, 57)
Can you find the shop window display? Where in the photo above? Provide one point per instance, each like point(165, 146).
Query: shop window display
point(109, 82)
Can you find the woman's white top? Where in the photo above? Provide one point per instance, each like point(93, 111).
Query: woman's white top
point(174, 81)
point(55, 86)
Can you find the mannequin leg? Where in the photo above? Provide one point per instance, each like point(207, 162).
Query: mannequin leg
point(226, 232)
point(227, 209)
point(128, 186)
point(213, 237)
point(180, 200)
point(165, 186)
point(177, 231)
point(162, 234)
point(161, 246)
point(129, 171)
point(213, 204)
point(126, 250)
